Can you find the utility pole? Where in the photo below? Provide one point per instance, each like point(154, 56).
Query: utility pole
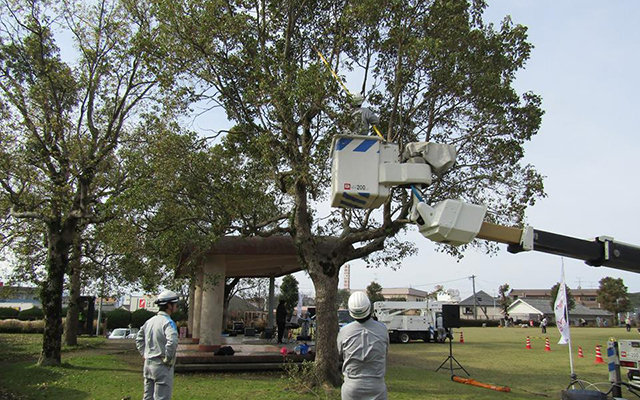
point(101, 294)
point(475, 299)
point(494, 304)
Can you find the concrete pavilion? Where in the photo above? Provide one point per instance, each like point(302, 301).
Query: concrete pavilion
point(236, 257)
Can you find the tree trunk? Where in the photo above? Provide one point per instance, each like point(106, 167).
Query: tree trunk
point(229, 285)
point(59, 240)
point(73, 312)
point(327, 363)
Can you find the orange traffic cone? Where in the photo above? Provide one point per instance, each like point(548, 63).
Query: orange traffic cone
point(547, 347)
point(529, 343)
point(461, 337)
point(599, 359)
point(580, 355)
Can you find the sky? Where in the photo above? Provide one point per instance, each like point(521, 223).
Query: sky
point(584, 65)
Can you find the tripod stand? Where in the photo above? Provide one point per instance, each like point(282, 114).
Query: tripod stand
point(451, 358)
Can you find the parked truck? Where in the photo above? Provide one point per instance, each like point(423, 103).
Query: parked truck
point(409, 320)
point(629, 351)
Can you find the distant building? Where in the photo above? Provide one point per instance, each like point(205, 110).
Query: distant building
point(408, 294)
point(400, 294)
point(23, 297)
point(20, 297)
point(142, 302)
point(487, 307)
point(108, 304)
point(584, 297)
point(526, 309)
point(347, 277)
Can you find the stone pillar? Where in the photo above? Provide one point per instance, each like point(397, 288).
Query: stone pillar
point(272, 300)
point(212, 303)
point(197, 306)
point(192, 296)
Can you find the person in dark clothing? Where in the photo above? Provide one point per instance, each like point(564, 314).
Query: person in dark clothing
point(281, 319)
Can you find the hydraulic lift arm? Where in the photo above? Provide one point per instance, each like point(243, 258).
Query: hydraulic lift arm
point(602, 251)
point(365, 168)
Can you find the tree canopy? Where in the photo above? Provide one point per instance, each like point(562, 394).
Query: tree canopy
point(431, 69)
point(289, 292)
point(62, 123)
point(613, 296)
point(504, 299)
point(374, 292)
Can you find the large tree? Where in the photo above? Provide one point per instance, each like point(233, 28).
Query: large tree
point(62, 123)
point(342, 298)
point(374, 292)
point(613, 296)
point(504, 299)
point(289, 292)
point(433, 71)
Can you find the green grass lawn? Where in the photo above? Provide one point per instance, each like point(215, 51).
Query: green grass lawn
point(491, 355)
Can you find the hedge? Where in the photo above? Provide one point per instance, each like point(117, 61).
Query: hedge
point(479, 322)
point(31, 314)
point(8, 313)
point(179, 316)
point(17, 326)
point(118, 318)
point(139, 317)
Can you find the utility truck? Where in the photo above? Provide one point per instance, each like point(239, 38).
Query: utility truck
point(409, 320)
point(629, 351)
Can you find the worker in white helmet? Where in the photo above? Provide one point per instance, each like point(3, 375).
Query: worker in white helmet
point(157, 342)
point(363, 346)
point(361, 117)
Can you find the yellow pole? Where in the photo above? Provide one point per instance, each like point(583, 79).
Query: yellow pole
point(375, 128)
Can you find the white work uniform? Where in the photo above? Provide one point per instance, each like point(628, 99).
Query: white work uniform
point(157, 342)
point(363, 348)
point(363, 118)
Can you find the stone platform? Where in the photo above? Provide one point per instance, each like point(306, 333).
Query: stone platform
point(250, 354)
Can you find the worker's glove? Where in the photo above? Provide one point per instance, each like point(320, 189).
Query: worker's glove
point(170, 362)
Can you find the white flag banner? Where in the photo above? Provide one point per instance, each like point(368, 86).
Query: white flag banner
point(560, 309)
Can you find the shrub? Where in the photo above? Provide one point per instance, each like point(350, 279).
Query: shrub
point(478, 322)
point(31, 314)
point(303, 378)
point(118, 318)
point(17, 326)
point(33, 326)
point(179, 316)
point(139, 317)
point(8, 313)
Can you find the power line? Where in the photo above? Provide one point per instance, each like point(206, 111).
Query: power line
point(437, 283)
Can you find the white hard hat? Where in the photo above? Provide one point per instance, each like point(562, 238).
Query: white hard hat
point(166, 297)
point(359, 305)
point(357, 99)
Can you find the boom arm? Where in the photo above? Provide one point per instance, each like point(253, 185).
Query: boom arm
point(602, 251)
point(365, 168)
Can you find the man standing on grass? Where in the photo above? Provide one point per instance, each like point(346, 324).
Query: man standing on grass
point(543, 325)
point(157, 342)
point(363, 345)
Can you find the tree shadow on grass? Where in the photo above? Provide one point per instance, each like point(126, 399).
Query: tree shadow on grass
point(24, 380)
point(72, 367)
